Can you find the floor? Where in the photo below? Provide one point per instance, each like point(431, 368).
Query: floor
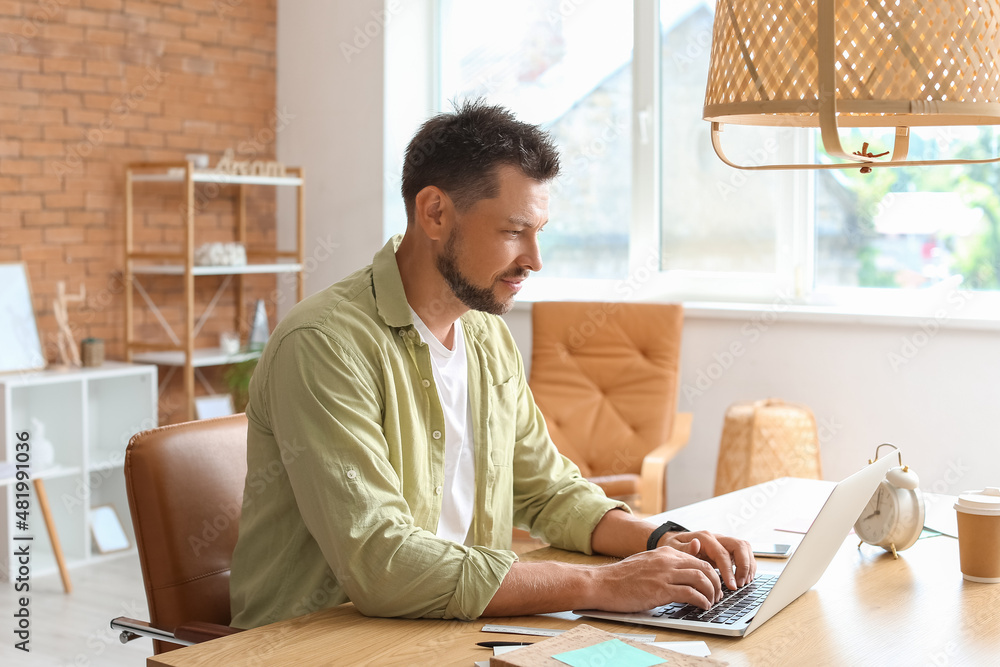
point(73, 630)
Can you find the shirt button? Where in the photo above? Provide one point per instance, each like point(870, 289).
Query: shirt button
point(426, 383)
point(351, 474)
point(436, 435)
point(402, 333)
point(438, 490)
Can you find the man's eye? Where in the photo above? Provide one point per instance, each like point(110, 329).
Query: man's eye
point(514, 232)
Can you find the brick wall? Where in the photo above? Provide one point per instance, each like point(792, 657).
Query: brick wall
point(87, 86)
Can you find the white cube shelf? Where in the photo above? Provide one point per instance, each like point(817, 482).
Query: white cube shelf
point(89, 415)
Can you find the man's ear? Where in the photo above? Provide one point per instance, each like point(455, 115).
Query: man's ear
point(433, 210)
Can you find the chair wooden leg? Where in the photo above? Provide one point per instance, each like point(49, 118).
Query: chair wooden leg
point(50, 526)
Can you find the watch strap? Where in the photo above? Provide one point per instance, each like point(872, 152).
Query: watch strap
point(668, 527)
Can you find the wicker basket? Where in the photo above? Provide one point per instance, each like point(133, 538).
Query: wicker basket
point(764, 440)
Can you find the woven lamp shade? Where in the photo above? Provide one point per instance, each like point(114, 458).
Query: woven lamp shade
point(765, 440)
point(895, 63)
point(854, 63)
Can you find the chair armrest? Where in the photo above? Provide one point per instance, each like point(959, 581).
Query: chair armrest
point(653, 483)
point(200, 631)
point(193, 632)
point(617, 486)
point(130, 628)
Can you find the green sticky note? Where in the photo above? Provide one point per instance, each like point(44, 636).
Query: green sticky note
point(612, 653)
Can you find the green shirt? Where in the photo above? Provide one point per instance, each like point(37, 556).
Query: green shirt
point(345, 458)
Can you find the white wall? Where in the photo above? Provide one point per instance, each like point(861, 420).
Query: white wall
point(329, 77)
point(939, 405)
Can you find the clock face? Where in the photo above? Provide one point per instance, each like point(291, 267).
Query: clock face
point(879, 517)
point(893, 518)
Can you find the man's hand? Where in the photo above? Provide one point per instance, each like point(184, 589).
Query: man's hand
point(680, 569)
point(620, 534)
point(642, 581)
point(721, 551)
point(652, 578)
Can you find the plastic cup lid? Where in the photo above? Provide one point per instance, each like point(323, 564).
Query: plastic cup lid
point(986, 502)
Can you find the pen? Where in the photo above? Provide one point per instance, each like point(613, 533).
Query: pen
point(495, 644)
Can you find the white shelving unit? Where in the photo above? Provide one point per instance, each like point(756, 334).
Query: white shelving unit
point(207, 356)
point(179, 353)
point(167, 270)
point(175, 173)
point(88, 414)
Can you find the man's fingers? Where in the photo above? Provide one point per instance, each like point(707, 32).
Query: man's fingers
point(702, 572)
point(703, 579)
point(684, 570)
point(692, 548)
point(726, 553)
point(717, 554)
point(741, 556)
point(675, 567)
point(688, 595)
point(746, 564)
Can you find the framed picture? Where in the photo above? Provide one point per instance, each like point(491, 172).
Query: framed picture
point(109, 535)
point(20, 346)
point(217, 405)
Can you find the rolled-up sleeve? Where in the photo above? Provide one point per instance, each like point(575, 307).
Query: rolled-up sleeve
point(349, 492)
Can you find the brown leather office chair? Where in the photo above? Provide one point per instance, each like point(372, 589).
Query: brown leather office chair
point(185, 493)
point(605, 376)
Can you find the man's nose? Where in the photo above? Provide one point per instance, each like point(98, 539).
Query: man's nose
point(531, 258)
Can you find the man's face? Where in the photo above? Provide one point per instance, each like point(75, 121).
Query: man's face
point(494, 244)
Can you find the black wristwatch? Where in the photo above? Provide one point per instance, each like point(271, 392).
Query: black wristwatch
point(668, 527)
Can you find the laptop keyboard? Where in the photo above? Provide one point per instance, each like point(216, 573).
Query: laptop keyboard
point(733, 606)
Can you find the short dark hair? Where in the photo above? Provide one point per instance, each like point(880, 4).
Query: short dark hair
point(460, 152)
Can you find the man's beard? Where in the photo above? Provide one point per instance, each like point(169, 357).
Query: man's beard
point(474, 297)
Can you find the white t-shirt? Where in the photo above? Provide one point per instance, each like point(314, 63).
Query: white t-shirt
point(451, 375)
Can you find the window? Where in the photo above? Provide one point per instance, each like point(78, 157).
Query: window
point(644, 208)
point(567, 67)
point(713, 218)
point(913, 227)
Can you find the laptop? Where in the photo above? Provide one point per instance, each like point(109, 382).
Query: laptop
point(741, 612)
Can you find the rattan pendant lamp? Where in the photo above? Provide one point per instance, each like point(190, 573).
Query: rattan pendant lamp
point(854, 63)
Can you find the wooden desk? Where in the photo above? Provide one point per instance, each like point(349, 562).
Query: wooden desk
point(867, 609)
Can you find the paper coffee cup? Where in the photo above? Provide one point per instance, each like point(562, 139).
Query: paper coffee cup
point(979, 534)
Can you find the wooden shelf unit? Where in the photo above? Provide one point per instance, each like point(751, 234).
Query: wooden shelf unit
point(180, 352)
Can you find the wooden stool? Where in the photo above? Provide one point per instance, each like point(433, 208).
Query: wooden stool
point(764, 440)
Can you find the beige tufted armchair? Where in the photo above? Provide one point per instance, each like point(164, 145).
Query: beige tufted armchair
point(605, 376)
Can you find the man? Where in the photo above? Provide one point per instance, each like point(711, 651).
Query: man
point(393, 441)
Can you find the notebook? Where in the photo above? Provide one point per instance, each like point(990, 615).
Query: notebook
point(749, 607)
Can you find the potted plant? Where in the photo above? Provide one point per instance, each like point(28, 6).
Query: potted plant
point(237, 379)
